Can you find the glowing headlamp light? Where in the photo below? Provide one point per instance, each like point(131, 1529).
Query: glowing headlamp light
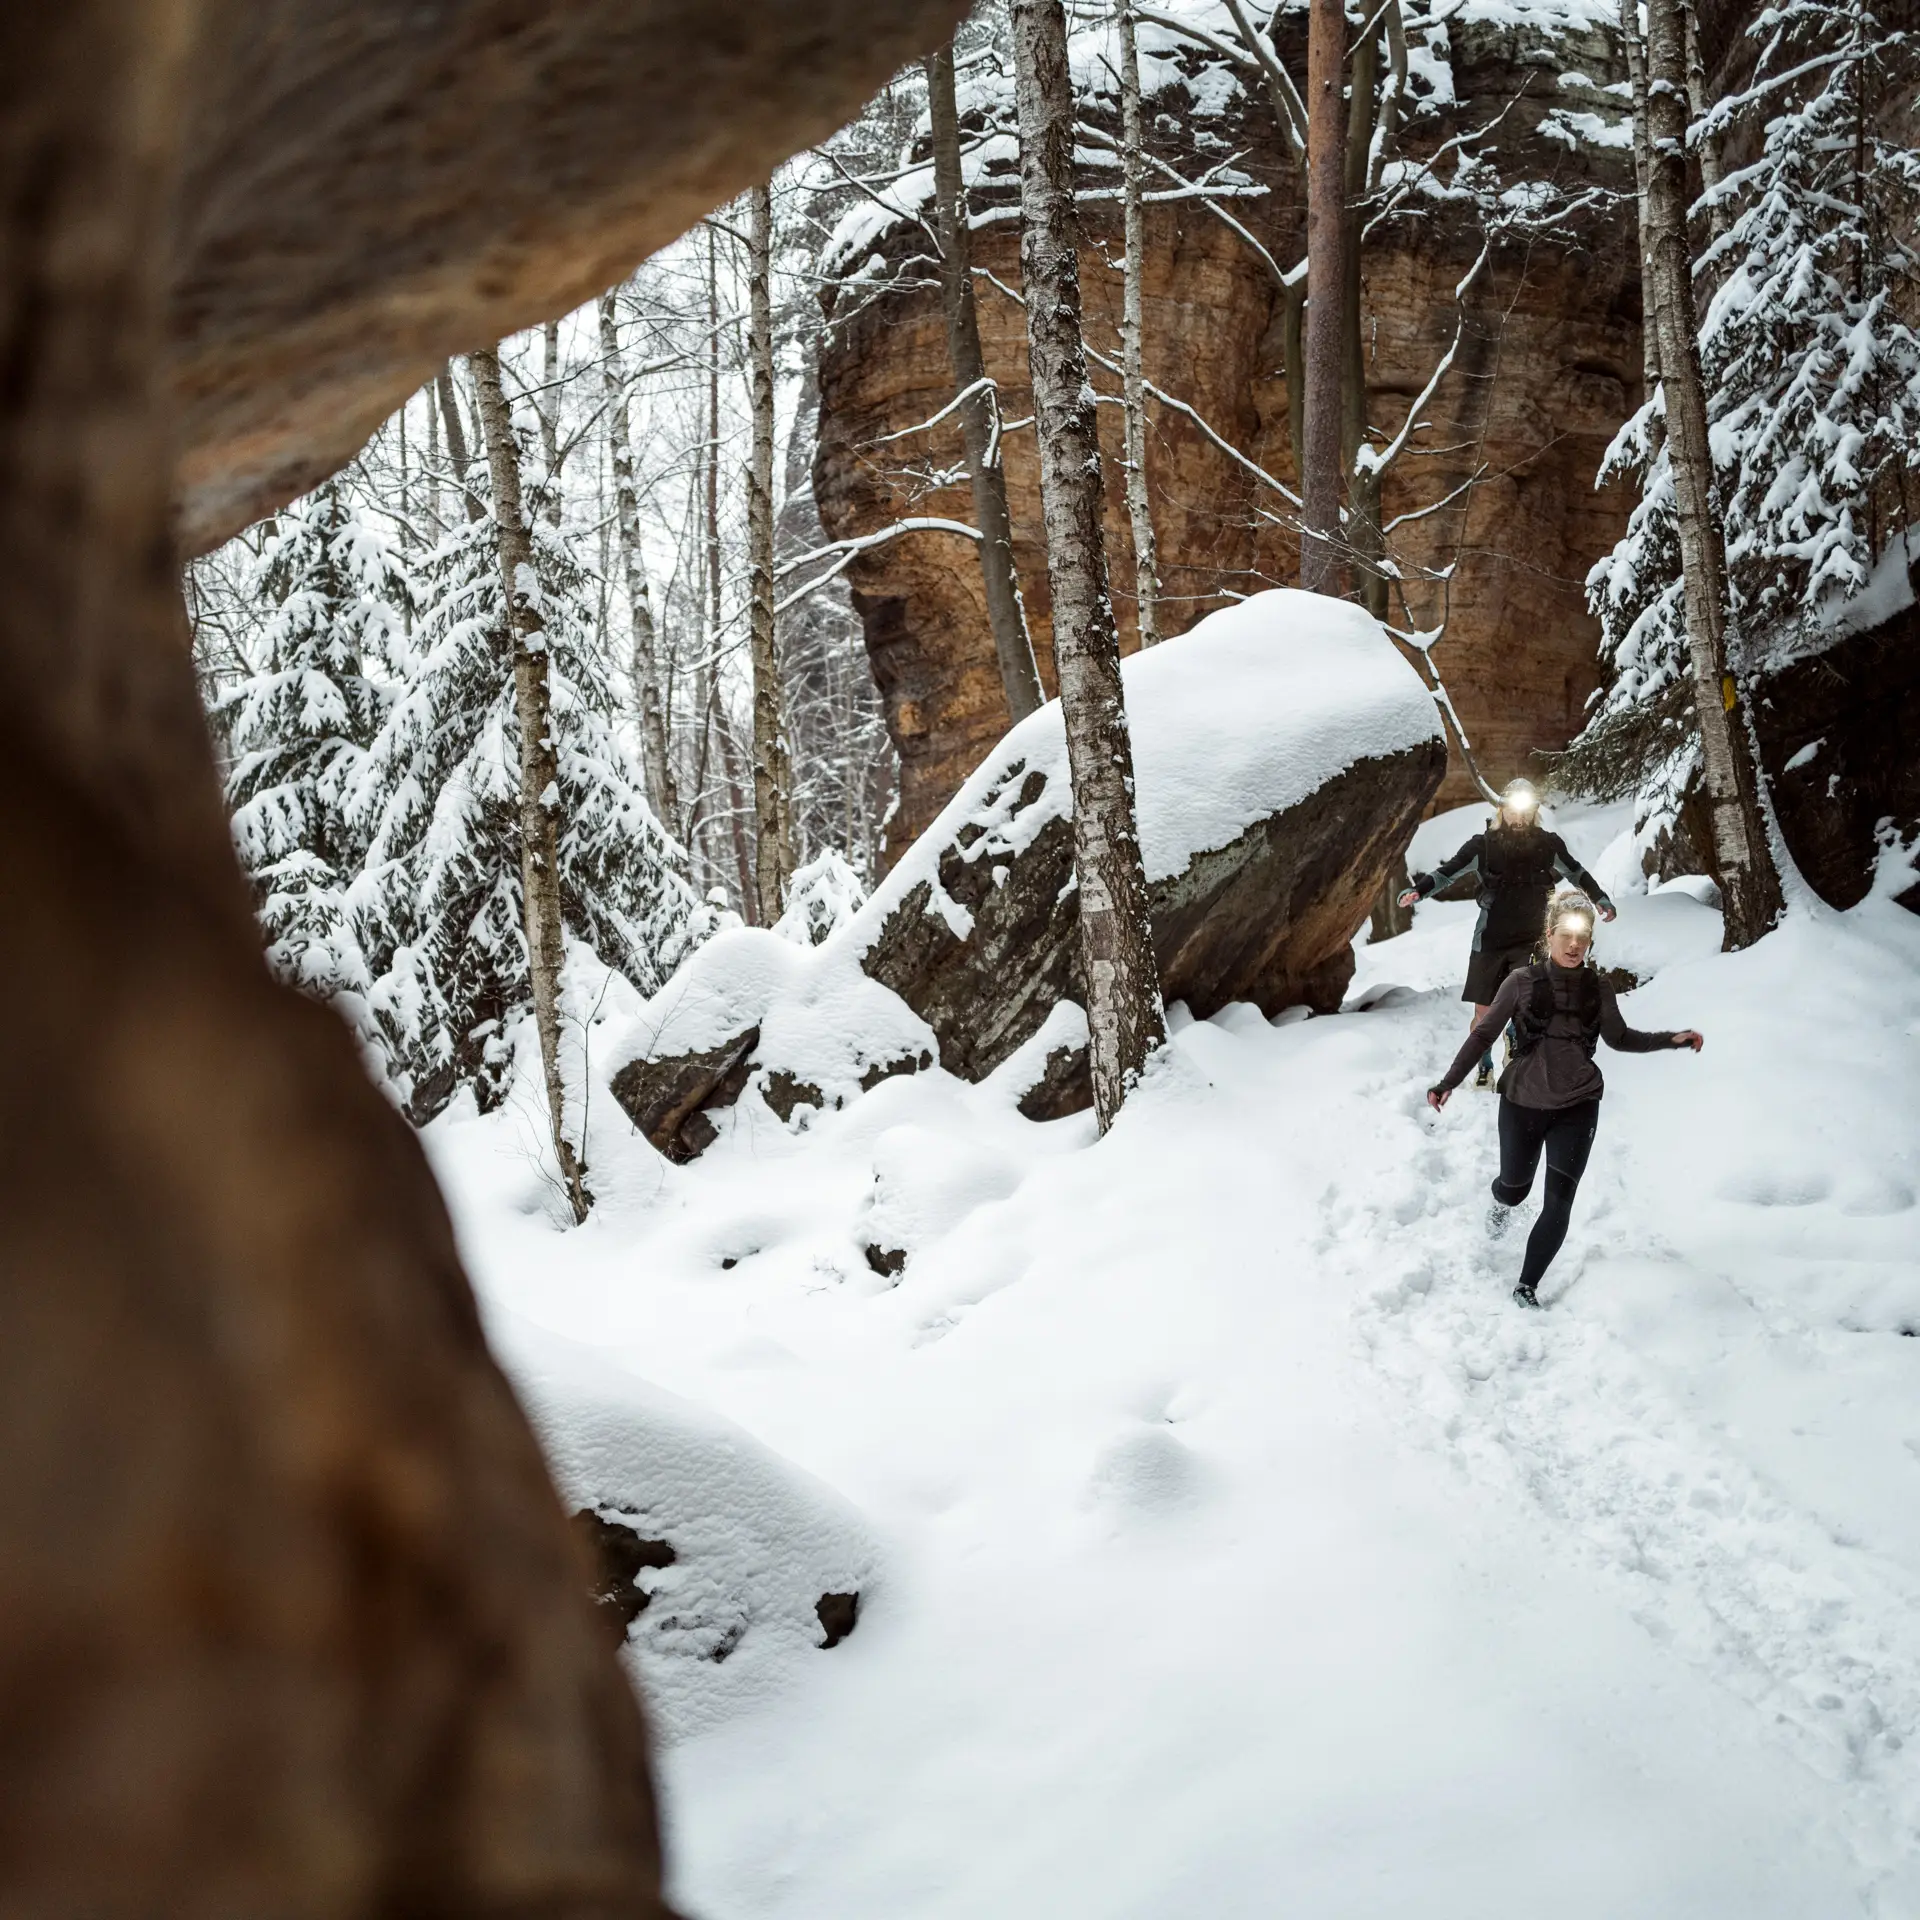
point(1520, 799)
point(1577, 923)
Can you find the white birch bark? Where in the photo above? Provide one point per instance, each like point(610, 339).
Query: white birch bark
point(1750, 882)
point(772, 771)
point(646, 664)
point(1125, 1018)
point(539, 765)
point(1146, 559)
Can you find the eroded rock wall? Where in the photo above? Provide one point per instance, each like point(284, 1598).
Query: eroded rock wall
point(1547, 366)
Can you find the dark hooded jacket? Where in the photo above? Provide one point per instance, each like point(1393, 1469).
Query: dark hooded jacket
point(1516, 868)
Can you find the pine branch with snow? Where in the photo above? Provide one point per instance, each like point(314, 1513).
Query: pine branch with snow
point(300, 727)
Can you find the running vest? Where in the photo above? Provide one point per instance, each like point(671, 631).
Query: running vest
point(1579, 996)
point(1516, 875)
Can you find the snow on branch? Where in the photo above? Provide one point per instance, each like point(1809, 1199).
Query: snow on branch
point(849, 551)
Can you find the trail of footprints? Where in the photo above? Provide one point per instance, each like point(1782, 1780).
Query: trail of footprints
point(1823, 1639)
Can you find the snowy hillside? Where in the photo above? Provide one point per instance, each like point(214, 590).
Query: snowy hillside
point(1236, 1547)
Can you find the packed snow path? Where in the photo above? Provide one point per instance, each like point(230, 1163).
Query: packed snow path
point(1558, 1413)
point(1237, 1546)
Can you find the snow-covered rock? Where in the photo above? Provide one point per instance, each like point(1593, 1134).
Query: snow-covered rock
point(764, 1565)
point(1283, 752)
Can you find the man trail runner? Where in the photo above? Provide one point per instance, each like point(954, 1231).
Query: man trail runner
point(1550, 1092)
point(1516, 861)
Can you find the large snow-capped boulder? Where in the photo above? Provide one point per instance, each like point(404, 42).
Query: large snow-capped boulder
point(1283, 752)
point(724, 1566)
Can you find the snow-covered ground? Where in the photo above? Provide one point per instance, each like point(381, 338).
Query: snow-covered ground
point(1228, 1543)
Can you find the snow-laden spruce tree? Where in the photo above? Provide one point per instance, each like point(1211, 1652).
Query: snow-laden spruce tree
point(300, 728)
point(442, 887)
point(1812, 364)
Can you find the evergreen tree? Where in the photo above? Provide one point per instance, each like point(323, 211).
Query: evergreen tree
point(443, 873)
point(299, 730)
point(1812, 365)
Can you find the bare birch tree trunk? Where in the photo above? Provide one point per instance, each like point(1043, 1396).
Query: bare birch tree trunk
point(737, 809)
point(1146, 558)
point(1125, 1019)
point(1363, 481)
point(729, 757)
point(539, 765)
point(979, 416)
point(433, 458)
point(1749, 880)
point(773, 860)
point(646, 664)
point(1322, 567)
point(548, 414)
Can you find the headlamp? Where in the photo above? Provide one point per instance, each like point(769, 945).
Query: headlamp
point(1520, 798)
point(1577, 923)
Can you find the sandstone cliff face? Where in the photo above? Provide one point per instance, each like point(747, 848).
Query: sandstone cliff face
point(1548, 365)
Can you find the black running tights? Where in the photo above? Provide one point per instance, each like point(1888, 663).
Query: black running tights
point(1566, 1133)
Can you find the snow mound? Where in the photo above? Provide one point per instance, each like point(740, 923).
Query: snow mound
point(758, 1542)
point(820, 1018)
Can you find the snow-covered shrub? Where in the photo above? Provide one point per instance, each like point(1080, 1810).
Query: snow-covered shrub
point(821, 898)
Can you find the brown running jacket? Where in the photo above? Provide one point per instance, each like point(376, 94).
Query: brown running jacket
point(1557, 1070)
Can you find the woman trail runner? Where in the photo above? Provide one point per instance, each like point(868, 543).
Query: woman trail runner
point(1516, 860)
point(1550, 1092)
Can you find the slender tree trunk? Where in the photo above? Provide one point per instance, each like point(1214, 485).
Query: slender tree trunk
point(1322, 567)
point(737, 809)
point(433, 458)
point(1642, 167)
point(1146, 558)
point(646, 664)
point(548, 412)
point(772, 767)
point(457, 452)
point(1125, 1019)
point(1707, 148)
point(1363, 482)
point(1006, 616)
point(1750, 882)
point(1293, 327)
point(539, 764)
point(715, 601)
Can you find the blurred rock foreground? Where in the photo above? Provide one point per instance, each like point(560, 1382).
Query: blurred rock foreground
point(253, 1663)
